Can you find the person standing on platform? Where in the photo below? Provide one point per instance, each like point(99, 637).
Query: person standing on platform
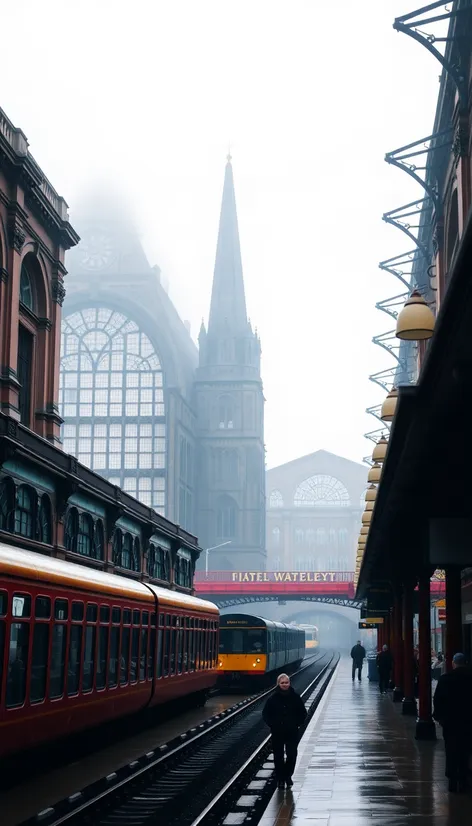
point(453, 711)
point(358, 657)
point(284, 712)
point(384, 667)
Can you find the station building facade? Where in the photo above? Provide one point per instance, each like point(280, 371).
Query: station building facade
point(314, 506)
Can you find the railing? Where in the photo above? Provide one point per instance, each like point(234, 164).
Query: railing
point(17, 140)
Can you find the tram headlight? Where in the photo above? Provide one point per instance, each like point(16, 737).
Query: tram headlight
point(220, 664)
point(258, 660)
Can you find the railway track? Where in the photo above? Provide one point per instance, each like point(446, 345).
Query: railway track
point(196, 774)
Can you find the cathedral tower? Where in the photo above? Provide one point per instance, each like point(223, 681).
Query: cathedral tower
point(230, 413)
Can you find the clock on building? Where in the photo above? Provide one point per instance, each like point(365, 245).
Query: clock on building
point(97, 251)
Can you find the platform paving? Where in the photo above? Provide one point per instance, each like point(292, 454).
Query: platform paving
point(359, 765)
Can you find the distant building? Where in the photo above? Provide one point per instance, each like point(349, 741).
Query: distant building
point(314, 507)
point(179, 429)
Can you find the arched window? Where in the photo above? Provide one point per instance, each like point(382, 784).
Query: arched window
point(310, 537)
point(7, 504)
point(276, 536)
point(71, 530)
point(226, 518)
point(117, 546)
point(44, 529)
point(112, 401)
point(299, 536)
point(226, 412)
point(127, 552)
point(276, 499)
point(333, 536)
point(85, 535)
point(26, 286)
point(183, 575)
point(98, 540)
point(25, 511)
point(321, 492)
point(158, 564)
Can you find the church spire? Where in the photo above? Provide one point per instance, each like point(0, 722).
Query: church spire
point(228, 302)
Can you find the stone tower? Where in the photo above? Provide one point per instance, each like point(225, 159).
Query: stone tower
point(230, 413)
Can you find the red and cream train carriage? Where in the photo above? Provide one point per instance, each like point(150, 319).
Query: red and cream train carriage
point(79, 647)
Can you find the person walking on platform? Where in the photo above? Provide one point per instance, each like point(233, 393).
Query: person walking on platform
point(384, 666)
point(358, 657)
point(453, 711)
point(284, 712)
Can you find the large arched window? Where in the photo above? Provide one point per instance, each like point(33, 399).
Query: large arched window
point(276, 499)
point(321, 492)
point(226, 518)
point(7, 504)
point(85, 535)
point(112, 401)
point(44, 527)
point(26, 287)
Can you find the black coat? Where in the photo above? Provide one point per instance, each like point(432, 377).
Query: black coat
point(358, 653)
point(284, 711)
point(453, 700)
point(384, 662)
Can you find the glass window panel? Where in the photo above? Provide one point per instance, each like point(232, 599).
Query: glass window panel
point(159, 410)
point(39, 661)
point(115, 410)
point(145, 484)
point(115, 430)
point(84, 458)
point(131, 460)
point(145, 461)
point(99, 461)
point(58, 654)
point(145, 430)
point(69, 445)
point(114, 460)
point(131, 410)
point(101, 396)
point(101, 410)
point(145, 410)
point(89, 658)
point(100, 430)
point(115, 445)
point(85, 445)
point(69, 410)
point(131, 445)
point(102, 658)
point(159, 445)
point(131, 430)
point(132, 379)
point(116, 396)
point(101, 380)
point(159, 483)
point(17, 664)
point(116, 380)
point(145, 498)
point(146, 379)
point(159, 460)
point(114, 656)
point(84, 410)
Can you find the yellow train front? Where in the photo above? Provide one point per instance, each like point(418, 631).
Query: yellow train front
point(253, 650)
point(311, 637)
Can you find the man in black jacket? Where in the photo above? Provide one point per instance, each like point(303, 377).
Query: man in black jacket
point(384, 666)
point(358, 657)
point(284, 712)
point(453, 711)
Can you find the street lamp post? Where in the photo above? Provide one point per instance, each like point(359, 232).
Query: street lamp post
point(207, 551)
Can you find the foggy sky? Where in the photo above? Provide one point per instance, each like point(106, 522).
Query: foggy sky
point(310, 95)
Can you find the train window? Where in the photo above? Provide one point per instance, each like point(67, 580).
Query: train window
point(3, 603)
point(145, 617)
point(102, 657)
point(153, 620)
point(89, 655)
point(104, 613)
point(17, 663)
point(39, 660)
point(136, 618)
point(116, 615)
point(42, 608)
point(165, 669)
point(75, 656)
point(160, 652)
point(2, 650)
point(21, 605)
point(134, 654)
point(126, 616)
point(152, 648)
point(58, 658)
point(179, 650)
point(114, 654)
point(173, 651)
point(191, 648)
point(143, 657)
point(78, 611)
point(61, 609)
point(92, 612)
point(124, 659)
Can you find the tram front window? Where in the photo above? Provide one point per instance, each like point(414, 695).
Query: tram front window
point(242, 641)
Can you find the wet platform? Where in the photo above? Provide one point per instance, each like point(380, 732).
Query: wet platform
point(359, 765)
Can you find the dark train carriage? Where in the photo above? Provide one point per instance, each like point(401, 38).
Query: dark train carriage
point(252, 648)
point(79, 647)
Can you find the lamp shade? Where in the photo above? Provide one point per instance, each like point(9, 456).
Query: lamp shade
point(387, 411)
point(361, 543)
point(364, 530)
point(371, 494)
point(380, 450)
point(366, 517)
point(369, 506)
point(374, 473)
point(416, 321)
